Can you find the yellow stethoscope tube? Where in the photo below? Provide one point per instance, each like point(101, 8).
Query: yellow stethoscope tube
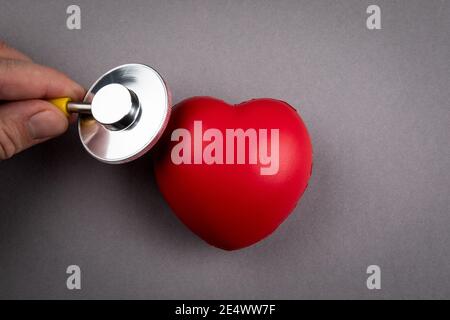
point(61, 104)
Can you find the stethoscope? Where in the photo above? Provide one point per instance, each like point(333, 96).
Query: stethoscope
point(123, 114)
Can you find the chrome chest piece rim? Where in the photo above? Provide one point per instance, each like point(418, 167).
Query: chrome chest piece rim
point(130, 110)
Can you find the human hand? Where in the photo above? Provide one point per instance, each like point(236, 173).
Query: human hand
point(25, 118)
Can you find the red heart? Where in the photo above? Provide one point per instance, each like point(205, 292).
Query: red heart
point(232, 205)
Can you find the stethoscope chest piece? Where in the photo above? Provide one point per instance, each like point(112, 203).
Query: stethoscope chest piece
point(128, 110)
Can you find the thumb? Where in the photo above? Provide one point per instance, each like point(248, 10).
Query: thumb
point(26, 123)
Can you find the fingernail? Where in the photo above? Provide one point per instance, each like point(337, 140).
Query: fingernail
point(46, 124)
point(80, 92)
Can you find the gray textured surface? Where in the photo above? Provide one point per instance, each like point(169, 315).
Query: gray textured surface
point(377, 107)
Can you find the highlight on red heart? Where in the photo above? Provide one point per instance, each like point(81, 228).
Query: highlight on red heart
point(213, 153)
point(233, 173)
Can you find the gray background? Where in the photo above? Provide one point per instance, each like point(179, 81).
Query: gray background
point(377, 107)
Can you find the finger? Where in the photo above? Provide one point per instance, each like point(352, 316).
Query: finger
point(73, 118)
point(6, 52)
point(26, 123)
point(20, 80)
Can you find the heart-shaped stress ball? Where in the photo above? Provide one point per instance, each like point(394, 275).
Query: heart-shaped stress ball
point(232, 174)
